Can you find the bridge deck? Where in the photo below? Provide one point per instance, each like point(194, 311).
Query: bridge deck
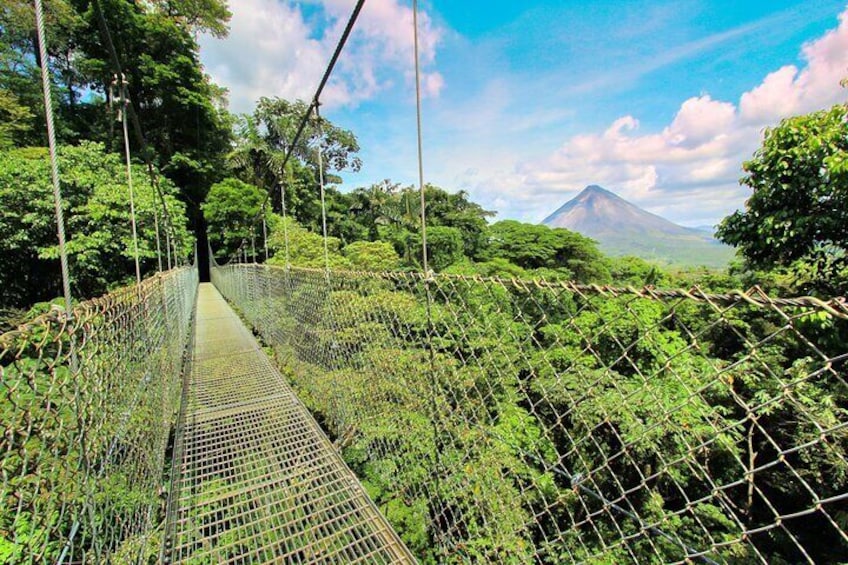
point(256, 479)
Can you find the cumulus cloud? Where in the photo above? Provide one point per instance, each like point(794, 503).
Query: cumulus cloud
point(276, 48)
point(698, 156)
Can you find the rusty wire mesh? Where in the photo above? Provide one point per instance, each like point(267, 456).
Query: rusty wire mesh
point(517, 421)
point(87, 404)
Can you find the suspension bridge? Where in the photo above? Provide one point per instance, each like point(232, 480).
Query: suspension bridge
point(288, 415)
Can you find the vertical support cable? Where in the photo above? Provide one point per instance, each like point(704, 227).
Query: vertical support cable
point(321, 181)
point(158, 238)
point(424, 261)
point(285, 221)
point(168, 248)
point(176, 244)
point(54, 161)
point(265, 236)
point(121, 83)
point(60, 232)
point(428, 275)
point(154, 181)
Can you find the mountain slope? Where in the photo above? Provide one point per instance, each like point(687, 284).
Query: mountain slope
point(621, 228)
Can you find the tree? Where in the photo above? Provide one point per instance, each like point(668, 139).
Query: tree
point(178, 107)
point(262, 141)
point(304, 248)
point(181, 112)
point(798, 211)
point(14, 119)
point(444, 246)
point(97, 218)
point(20, 78)
point(372, 256)
point(635, 271)
point(370, 205)
point(198, 16)
point(231, 210)
point(532, 246)
point(455, 210)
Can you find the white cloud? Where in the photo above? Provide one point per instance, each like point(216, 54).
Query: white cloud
point(689, 170)
point(275, 50)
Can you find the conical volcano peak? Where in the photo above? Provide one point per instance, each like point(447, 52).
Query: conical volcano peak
point(595, 189)
point(622, 228)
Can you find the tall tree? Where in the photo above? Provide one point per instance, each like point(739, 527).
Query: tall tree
point(264, 138)
point(798, 211)
point(20, 81)
point(97, 217)
point(231, 211)
point(533, 246)
point(181, 112)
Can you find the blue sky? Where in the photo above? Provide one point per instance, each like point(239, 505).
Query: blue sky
point(528, 102)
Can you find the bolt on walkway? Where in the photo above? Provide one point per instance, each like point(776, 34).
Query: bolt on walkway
point(256, 480)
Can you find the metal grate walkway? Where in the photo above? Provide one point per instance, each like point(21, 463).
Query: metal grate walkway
point(256, 480)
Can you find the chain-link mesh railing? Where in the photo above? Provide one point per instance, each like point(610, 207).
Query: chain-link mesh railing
point(87, 404)
point(516, 421)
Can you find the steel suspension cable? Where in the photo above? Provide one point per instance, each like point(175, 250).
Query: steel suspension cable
point(285, 221)
point(54, 159)
point(265, 235)
point(122, 86)
point(158, 239)
point(170, 232)
point(60, 218)
point(313, 105)
point(424, 258)
point(438, 469)
point(321, 184)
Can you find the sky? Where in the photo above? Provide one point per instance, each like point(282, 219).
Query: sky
point(527, 102)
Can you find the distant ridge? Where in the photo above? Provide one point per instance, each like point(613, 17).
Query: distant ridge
point(622, 228)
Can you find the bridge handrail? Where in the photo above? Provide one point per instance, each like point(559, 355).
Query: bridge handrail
point(87, 400)
point(508, 420)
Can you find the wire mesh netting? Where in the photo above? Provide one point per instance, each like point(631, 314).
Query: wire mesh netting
point(257, 480)
point(87, 404)
point(526, 421)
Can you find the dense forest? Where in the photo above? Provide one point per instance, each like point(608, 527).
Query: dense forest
point(548, 367)
point(210, 166)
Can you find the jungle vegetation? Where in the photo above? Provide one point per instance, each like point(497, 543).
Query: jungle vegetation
point(215, 170)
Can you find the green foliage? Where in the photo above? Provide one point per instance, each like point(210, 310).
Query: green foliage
point(455, 210)
point(304, 248)
point(198, 16)
point(500, 268)
point(444, 246)
point(797, 213)
point(372, 256)
point(488, 420)
point(262, 140)
point(179, 108)
point(634, 271)
point(86, 443)
point(15, 120)
point(532, 246)
point(231, 209)
point(97, 218)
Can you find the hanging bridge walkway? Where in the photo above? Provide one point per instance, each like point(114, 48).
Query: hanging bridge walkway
point(257, 479)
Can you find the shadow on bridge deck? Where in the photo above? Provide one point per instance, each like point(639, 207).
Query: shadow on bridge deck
point(256, 479)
